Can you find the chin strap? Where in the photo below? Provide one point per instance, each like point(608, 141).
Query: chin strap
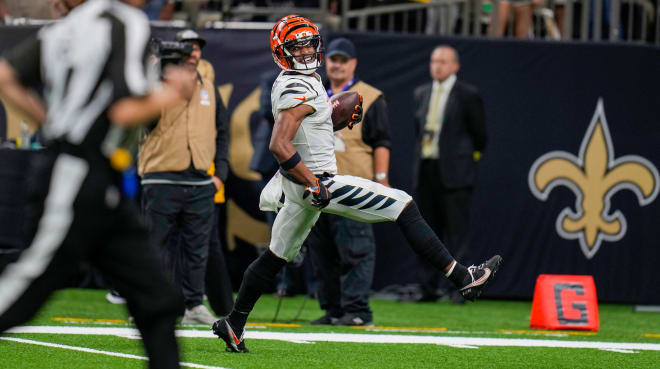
point(305, 71)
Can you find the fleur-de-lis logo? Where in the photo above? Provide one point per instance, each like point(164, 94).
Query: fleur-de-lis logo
point(594, 177)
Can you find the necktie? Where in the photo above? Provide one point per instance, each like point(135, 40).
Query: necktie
point(432, 126)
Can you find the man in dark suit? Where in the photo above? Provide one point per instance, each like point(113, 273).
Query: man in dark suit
point(451, 134)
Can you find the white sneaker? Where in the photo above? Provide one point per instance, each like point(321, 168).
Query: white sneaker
point(198, 315)
point(113, 297)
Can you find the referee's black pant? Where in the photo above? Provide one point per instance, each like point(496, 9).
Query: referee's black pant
point(75, 212)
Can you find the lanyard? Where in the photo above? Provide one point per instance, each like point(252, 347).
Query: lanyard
point(348, 85)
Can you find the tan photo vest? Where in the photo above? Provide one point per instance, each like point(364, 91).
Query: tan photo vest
point(185, 132)
point(357, 158)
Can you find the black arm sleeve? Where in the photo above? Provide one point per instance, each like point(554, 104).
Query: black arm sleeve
point(26, 61)
point(376, 125)
point(221, 138)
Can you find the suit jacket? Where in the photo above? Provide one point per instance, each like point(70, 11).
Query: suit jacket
point(463, 132)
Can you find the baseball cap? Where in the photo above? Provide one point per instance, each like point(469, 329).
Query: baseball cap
point(341, 46)
point(190, 35)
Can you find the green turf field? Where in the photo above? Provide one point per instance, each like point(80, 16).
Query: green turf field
point(487, 334)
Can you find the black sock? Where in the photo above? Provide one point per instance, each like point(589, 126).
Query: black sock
point(427, 244)
point(258, 277)
point(459, 276)
point(237, 321)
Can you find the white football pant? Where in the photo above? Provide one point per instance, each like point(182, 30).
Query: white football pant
point(352, 197)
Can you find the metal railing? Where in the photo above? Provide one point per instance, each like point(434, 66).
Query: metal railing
point(621, 20)
point(442, 16)
point(582, 20)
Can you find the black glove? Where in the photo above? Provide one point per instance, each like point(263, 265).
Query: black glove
point(320, 195)
point(357, 115)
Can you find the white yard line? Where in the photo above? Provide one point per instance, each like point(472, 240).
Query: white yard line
point(359, 338)
point(93, 351)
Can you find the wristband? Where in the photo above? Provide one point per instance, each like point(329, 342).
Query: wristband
point(291, 162)
point(380, 176)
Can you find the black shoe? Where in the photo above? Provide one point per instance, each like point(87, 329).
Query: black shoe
point(480, 277)
point(354, 320)
point(324, 320)
point(114, 297)
point(223, 330)
point(456, 298)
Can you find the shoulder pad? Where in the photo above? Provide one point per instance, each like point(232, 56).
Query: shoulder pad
point(292, 92)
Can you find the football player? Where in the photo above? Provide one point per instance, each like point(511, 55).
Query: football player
point(303, 144)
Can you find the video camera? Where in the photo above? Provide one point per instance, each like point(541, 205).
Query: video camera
point(170, 52)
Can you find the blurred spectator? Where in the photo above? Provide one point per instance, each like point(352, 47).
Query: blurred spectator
point(159, 9)
point(451, 127)
point(37, 9)
point(59, 8)
point(439, 18)
point(3, 10)
point(522, 17)
point(201, 11)
point(604, 19)
point(558, 8)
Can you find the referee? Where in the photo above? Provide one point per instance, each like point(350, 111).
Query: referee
point(92, 66)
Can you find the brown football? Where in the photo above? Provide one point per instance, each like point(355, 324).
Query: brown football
point(343, 106)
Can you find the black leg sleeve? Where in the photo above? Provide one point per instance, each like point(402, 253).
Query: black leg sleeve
point(258, 277)
point(422, 238)
point(427, 244)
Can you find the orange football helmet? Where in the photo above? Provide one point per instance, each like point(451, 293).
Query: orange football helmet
point(290, 33)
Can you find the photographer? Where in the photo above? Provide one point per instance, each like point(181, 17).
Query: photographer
point(177, 191)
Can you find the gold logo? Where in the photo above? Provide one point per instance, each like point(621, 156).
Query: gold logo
point(594, 177)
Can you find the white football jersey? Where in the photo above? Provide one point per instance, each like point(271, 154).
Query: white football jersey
point(314, 140)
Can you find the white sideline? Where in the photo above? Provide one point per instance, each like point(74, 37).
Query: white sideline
point(93, 351)
point(358, 338)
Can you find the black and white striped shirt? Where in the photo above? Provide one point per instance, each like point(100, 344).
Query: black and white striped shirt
point(86, 62)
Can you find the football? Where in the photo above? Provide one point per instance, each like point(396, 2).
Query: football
point(343, 106)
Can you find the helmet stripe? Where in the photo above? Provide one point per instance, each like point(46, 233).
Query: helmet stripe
point(293, 29)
